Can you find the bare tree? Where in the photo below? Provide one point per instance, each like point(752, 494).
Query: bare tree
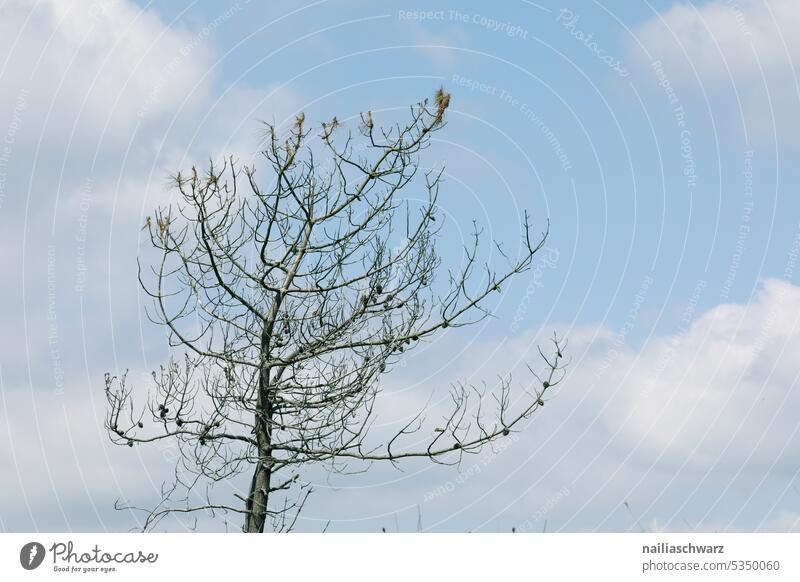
point(288, 303)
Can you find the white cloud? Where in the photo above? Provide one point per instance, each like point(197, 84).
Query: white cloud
point(719, 396)
point(100, 100)
point(109, 91)
point(741, 36)
point(692, 427)
point(722, 391)
point(743, 54)
point(60, 462)
point(100, 67)
point(696, 428)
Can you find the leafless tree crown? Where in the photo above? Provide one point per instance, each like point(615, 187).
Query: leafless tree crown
point(288, 302)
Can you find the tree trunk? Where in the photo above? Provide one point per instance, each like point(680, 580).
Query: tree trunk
point(257, 500)
point(259, 486)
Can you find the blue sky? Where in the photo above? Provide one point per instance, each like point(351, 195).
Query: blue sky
point(657, 137)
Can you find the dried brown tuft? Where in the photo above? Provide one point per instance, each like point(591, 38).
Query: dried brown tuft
point(442, 103)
